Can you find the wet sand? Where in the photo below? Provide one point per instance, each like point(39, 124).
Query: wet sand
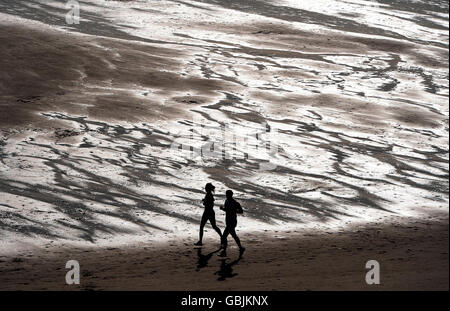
point(411, 257)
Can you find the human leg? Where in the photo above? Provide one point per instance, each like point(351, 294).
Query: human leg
point(235, 237)
point(202, 226)
point(225, 234)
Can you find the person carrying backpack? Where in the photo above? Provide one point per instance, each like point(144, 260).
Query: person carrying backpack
point(231, 208)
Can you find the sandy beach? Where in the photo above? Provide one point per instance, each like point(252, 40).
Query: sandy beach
point(412, 257)
point(328, 119)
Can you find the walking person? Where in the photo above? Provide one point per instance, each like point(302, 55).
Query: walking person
point(231, 208)
point(208, 214)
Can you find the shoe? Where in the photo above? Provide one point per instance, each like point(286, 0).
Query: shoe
point(242, 250)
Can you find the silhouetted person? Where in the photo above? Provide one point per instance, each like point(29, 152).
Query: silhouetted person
point(208, 214)
point(231, 208)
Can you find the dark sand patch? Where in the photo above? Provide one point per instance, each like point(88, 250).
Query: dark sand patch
point(413, 256)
